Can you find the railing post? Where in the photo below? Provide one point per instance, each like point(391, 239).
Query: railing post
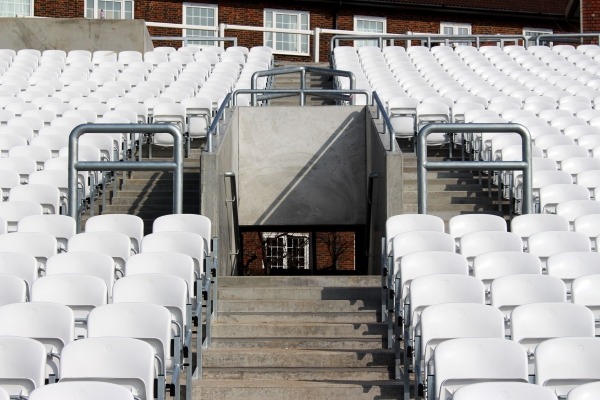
point(317, 44)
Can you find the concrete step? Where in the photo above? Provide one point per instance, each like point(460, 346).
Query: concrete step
point(294, 358)
point(301, 293)
point(454, 197)
point(282, 330)
point(296, 317)
point(299, 374)
point(454, 209)
point(295, 281)
point(337, 343)
point(298, 306)
point(216, 389)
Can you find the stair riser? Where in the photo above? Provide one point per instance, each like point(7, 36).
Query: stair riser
point(298, 343)
point(337, 392)
point(262, 330)
point(294, 359)
point(245, 318)
point(307, 293)
point(315, 374)
point(322, 281)
point(334, 306)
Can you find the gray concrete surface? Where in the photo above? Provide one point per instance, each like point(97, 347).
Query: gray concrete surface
point(74, 34)
point(302, 166)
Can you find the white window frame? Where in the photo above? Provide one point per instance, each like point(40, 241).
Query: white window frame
point(536, 32)
point(285, 237)
point(299, 14)
point(206, 28)
point(96, 9)
point(359, 43)
point(31, 8)
point(455, 27)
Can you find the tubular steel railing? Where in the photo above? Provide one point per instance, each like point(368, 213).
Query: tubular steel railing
point(387, 123)
point(302, 70)
point(75, 165)
point(423, 166)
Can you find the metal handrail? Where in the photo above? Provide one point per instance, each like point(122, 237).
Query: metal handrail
point(278, 93)
point(373, 177)
point(423, 166)
point(214, 126)
point(76, 165)
point(302, 70)
point(550, 36)
point(386, 120)
point(429, 39)
point(236, 262)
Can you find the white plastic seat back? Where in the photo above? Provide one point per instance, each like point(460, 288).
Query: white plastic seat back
point(476, 243)
point(584, 291)
point(505, 390)
point(528, 224)
point(564, 363)
point(424, 263)
point(194, 223)
point(188, 243)
point(51, 324)
point(125, 361)
point(62, 227)
point(548, 243)
point(170, 263)
point(165, 290)
point(22, 365)
point(460, 225)
point(80, 292)
point(555, 193)
point(115, 244)
point(148, 322)
point(418, 241)
point(459, 362)
point(510, 291)
point(83, 391)
point(38, 244)
point(571, 265)
point(588, 224)
point(587, 391)
point(441, 322)
point(47, 196)
point(12, 289)
point(130, 225)
point(489, 266)
point(86, 263)
point(13, 211)
point(573, 209)
point(533, 323)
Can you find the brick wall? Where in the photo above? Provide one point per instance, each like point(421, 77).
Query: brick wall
point(590, 16)
point(325, 15)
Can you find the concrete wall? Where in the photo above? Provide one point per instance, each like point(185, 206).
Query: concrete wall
point(214, 190)
point(387, 198)
point(74, 34)
point(302, 166)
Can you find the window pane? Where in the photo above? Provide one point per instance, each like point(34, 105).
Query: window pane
point(15, 8)
point(287, 42)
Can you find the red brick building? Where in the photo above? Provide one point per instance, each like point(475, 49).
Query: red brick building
point(386, 16)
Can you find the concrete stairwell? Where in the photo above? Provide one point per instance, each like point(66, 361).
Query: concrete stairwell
point(298, 338)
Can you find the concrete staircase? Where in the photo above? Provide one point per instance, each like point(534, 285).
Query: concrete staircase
point(448, 193)
point(292, 81)
point(149, 194)
point(298, 338)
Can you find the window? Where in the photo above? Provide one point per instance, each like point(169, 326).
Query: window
point(369, 24)
point(16, 8)
point(109, 9)
point(532, 33)
point(205, 17)
point(287, 250)
point(287, 43)
point(450, 28)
